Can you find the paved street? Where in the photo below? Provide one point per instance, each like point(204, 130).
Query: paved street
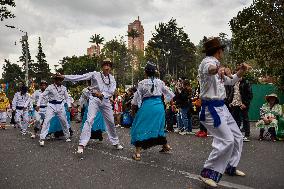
point(24, 164)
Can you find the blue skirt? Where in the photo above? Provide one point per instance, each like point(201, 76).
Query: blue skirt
point(55, 125)
point(98, 126)
point(148, 127)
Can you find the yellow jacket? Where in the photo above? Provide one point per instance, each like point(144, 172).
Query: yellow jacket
point(4, 102)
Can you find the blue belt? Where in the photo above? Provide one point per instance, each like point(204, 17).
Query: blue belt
point(211, 104)
point(55, 102)
point(42, 106)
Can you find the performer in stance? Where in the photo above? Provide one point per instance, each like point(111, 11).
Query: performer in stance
point(103, 86)
point(56, 93)
point(39, 115)
point(20, 105)
point(98, 126)
point(148, 127)
point(215, 116)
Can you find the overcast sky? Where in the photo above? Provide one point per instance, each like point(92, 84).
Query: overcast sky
point(65, 26)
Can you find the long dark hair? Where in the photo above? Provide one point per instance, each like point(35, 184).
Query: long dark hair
point(151, 75)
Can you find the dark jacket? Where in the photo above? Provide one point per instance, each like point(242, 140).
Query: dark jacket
point(245, 92)
point(183, 99)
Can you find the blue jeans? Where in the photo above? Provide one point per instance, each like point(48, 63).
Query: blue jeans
point(185, 121)
point(179, 122)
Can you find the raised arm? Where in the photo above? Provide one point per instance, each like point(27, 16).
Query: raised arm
point(231, 81)
point(75, 78)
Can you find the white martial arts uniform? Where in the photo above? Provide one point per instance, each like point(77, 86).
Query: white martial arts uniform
point(106, 85)
point(21, 104)
point(39, 116)
point(55, 95)
point(227, 137)
point(84, 98)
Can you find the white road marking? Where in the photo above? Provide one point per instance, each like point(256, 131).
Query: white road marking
point(185, 173)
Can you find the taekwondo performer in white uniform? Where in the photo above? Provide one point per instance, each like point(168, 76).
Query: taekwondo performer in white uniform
point(103, 86)
point(39, 115)
point(215, 116)
point(56, 93)
point(21, 104)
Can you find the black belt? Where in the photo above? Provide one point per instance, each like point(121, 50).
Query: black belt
point(19, 107)
point(42, 106)
point(55, 102)
point(99, 97)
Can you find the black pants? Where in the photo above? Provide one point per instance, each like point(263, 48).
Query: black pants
point(13, 118)
point(202, 128)
point(170, 116)
point(241, 115)
point(271, 130)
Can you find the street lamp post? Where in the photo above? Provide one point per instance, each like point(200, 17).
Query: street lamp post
point(25, 40)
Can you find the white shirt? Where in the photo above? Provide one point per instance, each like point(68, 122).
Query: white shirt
point(213, 86)
point(104, 84)
point(21, 100)
point(85, 96)
point(144, 90)
point(57, 93)
point(35, 98)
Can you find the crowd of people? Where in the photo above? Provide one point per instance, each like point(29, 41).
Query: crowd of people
point(218, 106)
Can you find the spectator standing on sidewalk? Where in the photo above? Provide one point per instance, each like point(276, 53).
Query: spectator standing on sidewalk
point(238, 99)
point(185, 106)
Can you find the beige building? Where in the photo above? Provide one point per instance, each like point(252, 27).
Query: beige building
point(138, 42)
point(94, 50)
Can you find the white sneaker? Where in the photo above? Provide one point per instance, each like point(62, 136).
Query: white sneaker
point(182, 133)
point(33, 136)
point(240, 173)
point(80, 150)
point(23, 132)
point(245, 139)
point(68, 140)
point(118, 147)
point(41, 142)
point(208, 182)
point(176, 130)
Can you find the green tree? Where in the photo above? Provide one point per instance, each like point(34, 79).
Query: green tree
point(5, 13)
point(97, 39)
point(172, 50)
point(78, 65)
point(116, 50)
point(41, 67)
point(227, 59)
point(258, 34)
point(133, 33)
point(12, 74)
